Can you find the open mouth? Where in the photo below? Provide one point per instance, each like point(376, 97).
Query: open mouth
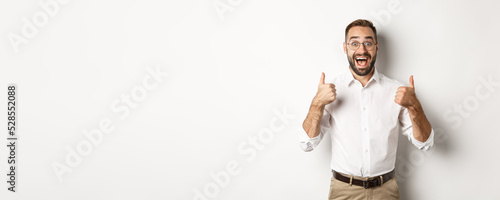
point(362, 61)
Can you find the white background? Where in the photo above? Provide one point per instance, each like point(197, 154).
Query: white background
point(229, 72)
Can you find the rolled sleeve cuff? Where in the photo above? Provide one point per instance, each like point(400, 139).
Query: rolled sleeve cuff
point(306, 143)
point(424, 146)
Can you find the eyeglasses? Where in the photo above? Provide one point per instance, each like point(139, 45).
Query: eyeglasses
point(354, 45)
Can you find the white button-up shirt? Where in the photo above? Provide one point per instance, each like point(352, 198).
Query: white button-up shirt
point(364, 124)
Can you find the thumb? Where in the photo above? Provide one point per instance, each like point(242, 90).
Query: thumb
point(411, 82)
point(322, 80)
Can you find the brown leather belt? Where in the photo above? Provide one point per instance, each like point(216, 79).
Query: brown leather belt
point(373, 182)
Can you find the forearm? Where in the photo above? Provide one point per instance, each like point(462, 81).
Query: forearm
point(312, 123)
point(325, 95)
point(421, 126)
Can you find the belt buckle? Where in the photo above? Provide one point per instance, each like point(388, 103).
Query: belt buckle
point(370, 183)
point(365, 185)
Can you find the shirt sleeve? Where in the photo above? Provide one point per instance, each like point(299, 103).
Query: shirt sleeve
point(407, 130)
point(308, 144)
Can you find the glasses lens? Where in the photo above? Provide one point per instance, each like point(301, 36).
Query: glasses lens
point(355, 45)
point(368, 45)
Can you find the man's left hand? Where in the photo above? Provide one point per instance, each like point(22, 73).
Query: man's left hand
point(405, 96)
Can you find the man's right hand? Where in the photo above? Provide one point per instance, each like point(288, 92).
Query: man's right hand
point(326, 93)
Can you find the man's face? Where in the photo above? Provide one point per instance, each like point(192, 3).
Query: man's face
point(362, 59)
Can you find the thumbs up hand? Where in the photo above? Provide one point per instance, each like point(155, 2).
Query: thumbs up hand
point(405, 96)
point(326, 93)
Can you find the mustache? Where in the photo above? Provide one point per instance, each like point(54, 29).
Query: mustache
point(364, 54)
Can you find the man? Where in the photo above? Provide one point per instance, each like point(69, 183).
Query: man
point(364, 118)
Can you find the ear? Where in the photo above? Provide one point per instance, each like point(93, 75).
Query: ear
point(377, 47)
point(345, 46)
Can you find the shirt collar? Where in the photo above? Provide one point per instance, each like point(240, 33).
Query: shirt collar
point(375, 77)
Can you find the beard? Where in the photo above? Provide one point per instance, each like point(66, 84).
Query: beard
point(362, 72)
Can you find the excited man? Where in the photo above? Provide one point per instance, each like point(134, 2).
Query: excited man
point(364, 119)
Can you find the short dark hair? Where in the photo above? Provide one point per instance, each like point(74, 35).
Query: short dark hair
point(361, 22)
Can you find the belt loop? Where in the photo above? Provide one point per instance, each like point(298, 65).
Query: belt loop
point(381, 180)
point(350, 182)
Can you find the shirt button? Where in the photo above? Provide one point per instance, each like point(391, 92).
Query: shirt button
point(364, 108)
point(365, 129)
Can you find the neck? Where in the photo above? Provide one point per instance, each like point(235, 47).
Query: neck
point(362, 79)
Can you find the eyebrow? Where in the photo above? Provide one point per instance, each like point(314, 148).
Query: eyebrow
point(356, 37)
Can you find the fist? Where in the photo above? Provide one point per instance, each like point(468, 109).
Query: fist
point(405, 96)
point(326, 92)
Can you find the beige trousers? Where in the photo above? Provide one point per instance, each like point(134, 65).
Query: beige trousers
point(340, 190)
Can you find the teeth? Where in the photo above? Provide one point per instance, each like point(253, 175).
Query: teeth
point(360, 58)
